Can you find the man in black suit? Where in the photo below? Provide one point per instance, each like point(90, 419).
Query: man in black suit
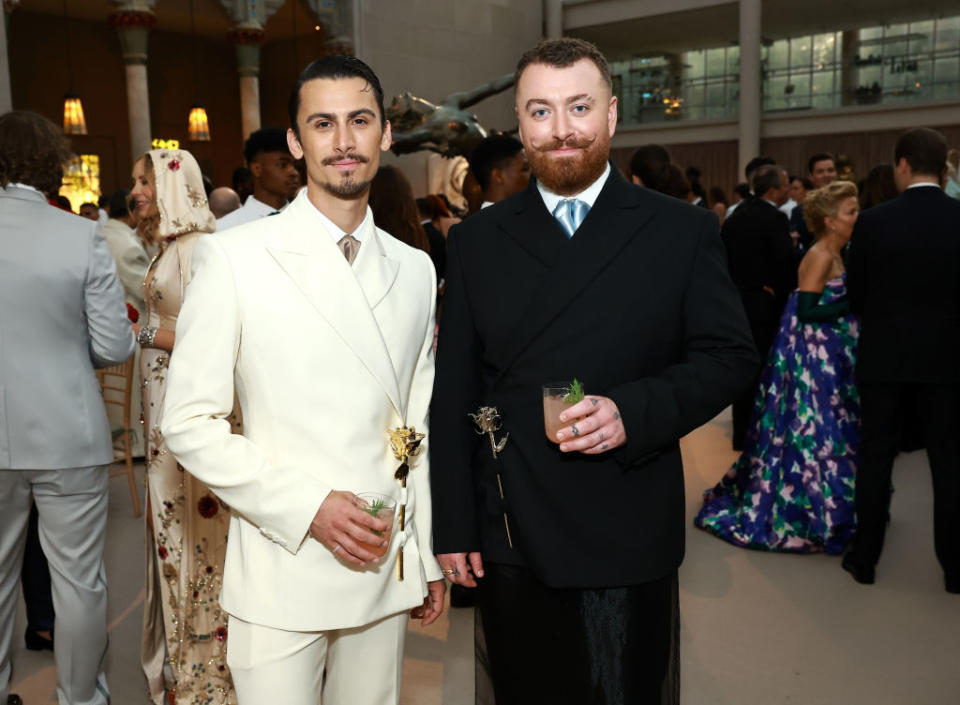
point(586, 276)
point(822, 168)
point(903, 280)
point(760, 255)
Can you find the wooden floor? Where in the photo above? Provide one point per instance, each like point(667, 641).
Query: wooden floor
point(758, 628)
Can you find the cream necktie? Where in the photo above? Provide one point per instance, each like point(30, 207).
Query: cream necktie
point(350, 246)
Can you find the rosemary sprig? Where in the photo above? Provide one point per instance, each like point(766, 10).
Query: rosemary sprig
point(575, 393)
point(373, 510)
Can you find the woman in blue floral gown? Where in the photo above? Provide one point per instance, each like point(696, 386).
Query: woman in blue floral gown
point(792, 488)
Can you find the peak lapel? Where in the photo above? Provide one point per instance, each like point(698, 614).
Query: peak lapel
point(309, 256)
point(534, 229)
point(608, 228)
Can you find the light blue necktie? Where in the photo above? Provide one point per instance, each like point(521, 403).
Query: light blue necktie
point(570, 212)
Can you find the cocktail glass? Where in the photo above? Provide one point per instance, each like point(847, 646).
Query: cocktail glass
point(554, 405)
point(382, 507)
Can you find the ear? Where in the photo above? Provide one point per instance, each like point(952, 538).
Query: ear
point(386, 139)
point(612, 115)
point(294, 144)
point(636, 179)
point(255, 168)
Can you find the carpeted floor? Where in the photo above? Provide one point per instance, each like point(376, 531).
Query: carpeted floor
point(758, 628)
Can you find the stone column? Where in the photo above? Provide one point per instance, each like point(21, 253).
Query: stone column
point(6, 96)
point(849, 73)
point(337, 19)
point(247, 43)
point(750, 83)
point(133, 25)
point(553, 18)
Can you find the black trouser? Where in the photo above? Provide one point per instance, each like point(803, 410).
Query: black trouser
point(763, 337)
point(35, 580)
point(884, 406)
point(614, 646)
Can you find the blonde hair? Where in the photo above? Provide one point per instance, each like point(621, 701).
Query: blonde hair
point(823, 203)
point(148, 225)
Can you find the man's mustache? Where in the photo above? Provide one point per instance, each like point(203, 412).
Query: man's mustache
point(570, 143)
point(351, 157)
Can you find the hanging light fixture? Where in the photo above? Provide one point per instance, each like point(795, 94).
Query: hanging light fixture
point(74, 122)
point(198, 125)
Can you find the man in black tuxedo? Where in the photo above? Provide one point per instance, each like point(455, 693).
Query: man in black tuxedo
point(762, 266)
point(903, 280)
point(586, 276)
point(822, 168)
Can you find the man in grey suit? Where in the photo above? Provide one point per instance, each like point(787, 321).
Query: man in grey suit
point(62, 314)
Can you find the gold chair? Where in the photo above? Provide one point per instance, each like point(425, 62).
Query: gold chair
point(116, 384)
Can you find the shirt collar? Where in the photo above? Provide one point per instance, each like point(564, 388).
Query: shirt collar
point(918, 185)
point(588, 195)
point(334, 230)
point(487, 204)
point(259, 207)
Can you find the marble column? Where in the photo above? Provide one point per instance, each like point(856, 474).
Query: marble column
point(6, 96)
point(750, 83)
point(849, 73)
point(553, 18)
point(247, 43)
point(337, 19)
point(133, 27)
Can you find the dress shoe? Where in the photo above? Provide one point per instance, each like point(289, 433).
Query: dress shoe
point(36, 642)
point(864, 576)
point(461, 596)
point(953, 584)
point(14, 699)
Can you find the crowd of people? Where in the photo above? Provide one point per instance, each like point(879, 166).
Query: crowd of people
point(286, 326)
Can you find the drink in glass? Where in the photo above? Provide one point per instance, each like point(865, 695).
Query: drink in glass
point(554, 395)
point(383, 508)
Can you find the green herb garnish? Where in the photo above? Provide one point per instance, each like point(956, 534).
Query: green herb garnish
point(373, 510)
point(575, 393)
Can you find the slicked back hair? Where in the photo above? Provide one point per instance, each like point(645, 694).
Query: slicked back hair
point(335, 67)
point(564, 52)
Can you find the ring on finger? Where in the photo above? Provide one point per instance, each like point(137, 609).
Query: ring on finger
point(337, 548)
point(447, 571)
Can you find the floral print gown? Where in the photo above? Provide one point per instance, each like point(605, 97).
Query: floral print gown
point(792, 489)
point(186, 530)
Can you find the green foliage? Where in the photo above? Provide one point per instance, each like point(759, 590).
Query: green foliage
point(575, 393)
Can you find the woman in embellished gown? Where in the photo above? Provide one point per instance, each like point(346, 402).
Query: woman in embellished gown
point(184, 626)
point(792, 488)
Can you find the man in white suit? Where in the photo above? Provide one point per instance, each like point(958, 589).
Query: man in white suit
point(61, 315)
point(323, 326)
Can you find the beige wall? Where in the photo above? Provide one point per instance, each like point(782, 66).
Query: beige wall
point(436, 47)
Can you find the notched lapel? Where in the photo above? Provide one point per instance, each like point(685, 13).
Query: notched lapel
point(312, 260)
point(614, 220)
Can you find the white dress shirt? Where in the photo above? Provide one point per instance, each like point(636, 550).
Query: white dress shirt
point(247, 213)
point(588, 195)
point(334, 230)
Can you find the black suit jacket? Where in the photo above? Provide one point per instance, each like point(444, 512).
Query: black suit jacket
point(903, 280)
point(760, 253)
point(639, 306)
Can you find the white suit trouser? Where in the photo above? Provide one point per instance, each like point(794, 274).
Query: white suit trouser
point(363, 665)
point(72, 504)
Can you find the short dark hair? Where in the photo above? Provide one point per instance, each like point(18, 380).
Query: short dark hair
point(766, 177)
point(118, 204)
point(335, 67)
point(651, 163)
point(693, 176)
point(924, 149)
point(90, 204)
point(494, 152)
point(742, 189)
point(755, 164)
point(821, 157)
point(561, 53)
point(32, 151)
point(269, 139)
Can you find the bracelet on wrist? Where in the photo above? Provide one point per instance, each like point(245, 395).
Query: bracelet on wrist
point(146, 336)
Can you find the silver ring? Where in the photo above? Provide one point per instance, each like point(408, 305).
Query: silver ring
point(337, 548)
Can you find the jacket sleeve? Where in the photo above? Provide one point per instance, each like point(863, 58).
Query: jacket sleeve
point(421, 388)
point(455, 393)
point(280, 500)
point(718, 361)
point(111, 335)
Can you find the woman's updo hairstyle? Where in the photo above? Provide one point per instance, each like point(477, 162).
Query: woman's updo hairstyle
point(824, 202)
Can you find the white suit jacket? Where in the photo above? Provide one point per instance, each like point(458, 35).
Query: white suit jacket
point(324, 359)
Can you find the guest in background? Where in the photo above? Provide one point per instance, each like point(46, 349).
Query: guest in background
point(61, 202)
point(63, 315)
point(792, 488)
point(649, 167)
point(952, 185)
point(103, 209)
point(90, 211)
point(443, 217)
point(823, 171)
point(472, 192)
point(275, 178)
point(500, 167)
point(880, 187)
point(740, 192)
point(718, 202)
point(242, 181)
point(760, 257)
point(183, 623)
point(438, 242)
point(748, 171)
point(395, 210)
point(905, 284)
point(223, 200)
point(694, 175)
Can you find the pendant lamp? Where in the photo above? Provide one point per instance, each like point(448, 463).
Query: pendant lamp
point(198, 125)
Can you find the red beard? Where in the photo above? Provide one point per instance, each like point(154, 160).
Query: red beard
point(568, 176)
